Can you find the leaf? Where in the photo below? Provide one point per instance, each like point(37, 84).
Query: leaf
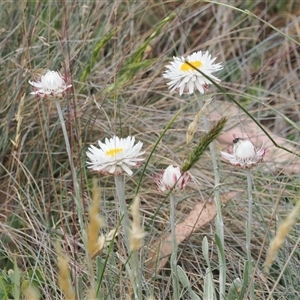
point(16, 279)
point(246, 278)
point(100, 44)
point(208, 286)
point(235, 289)
point(205, 249)
point(201, 214)
point(183, 278)
point(221, 250)
point(194, 296)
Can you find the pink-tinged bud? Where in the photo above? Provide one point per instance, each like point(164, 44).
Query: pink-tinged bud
point(171, 179)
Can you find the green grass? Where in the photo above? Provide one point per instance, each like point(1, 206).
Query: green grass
point(115, 54)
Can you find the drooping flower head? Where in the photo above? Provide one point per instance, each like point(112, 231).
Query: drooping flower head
point(185, 78)
point(52, 83)
point(171, 179)
point(244, 154)
point(115, 156)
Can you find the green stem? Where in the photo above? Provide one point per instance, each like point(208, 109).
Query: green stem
point(174, 246)
point(135, 272)
point(77, 198)
point(243, 109)
point(123, 213)
point(248, 232)
point(219, 217)
point(73, 171)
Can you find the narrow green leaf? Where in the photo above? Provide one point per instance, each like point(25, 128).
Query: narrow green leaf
point(220, 247)
point(208, 286)
point(101, 43)
point(194, 296)
point(245, 280)
point(16, 278)
point(205, 250)
point(235, 289)
point(3, 287)
point(183, 278)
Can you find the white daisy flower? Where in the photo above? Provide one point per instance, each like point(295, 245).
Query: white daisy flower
point(185, 78)
point(52, 83)
point(115, 156)
point(244, 154)
point(171, 179)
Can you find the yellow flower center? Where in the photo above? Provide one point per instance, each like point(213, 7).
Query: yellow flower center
point(185, 67)
point(114, 152)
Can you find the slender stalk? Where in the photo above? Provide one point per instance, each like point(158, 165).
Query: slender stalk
point(248, 231)
point(135, 276)
point(219, 217)
point(73, 172)
point(79, 207)
point(175, 280)
point(123, 213)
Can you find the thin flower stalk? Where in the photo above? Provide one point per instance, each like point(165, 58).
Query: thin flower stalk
point(248, 232)
point(219, 217)
point(137, 235)
point(123, 212)
point(171, 180)
point(125, 223)
point(245, 155)
point(79, 206)
point(175, 279)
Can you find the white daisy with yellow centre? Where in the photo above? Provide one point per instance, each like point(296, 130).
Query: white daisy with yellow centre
point(115, 156)
point(185, 78)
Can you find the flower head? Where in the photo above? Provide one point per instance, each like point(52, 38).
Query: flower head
point(171, 179)
point(185, 78)
point(115, 156)
point(244, 154)
point(52, 83)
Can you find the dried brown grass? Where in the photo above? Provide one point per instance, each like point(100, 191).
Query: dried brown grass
point(260, 65)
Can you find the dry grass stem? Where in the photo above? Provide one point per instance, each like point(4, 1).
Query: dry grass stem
point(91, 295)
point(95, 242)
point(63, 275)
point(120, 50)
point(283, 230)
point(137, 232)
point(204, 142)
point(201, 214)
point(31, 293)
point(19, 118)
point(193, 127)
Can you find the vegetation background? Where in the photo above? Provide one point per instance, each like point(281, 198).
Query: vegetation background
point(114, 53)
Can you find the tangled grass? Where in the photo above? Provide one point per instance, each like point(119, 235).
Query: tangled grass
point(114, 53)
